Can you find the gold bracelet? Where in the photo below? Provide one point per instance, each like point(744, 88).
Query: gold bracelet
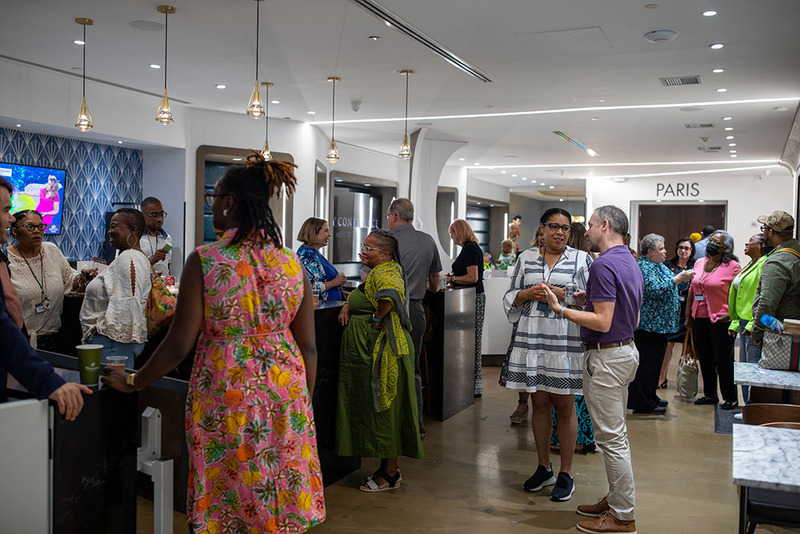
point(131, 381)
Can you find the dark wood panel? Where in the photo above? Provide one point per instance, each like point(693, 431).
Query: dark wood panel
point(674, 221)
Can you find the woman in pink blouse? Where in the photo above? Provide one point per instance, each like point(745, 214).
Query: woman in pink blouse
point(709, 316)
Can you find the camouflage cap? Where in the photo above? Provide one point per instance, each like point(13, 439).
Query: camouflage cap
point(778, 221)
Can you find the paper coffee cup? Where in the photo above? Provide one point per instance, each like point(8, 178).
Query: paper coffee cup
point(89, 357)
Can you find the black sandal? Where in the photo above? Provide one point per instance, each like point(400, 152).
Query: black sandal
point(372, 487)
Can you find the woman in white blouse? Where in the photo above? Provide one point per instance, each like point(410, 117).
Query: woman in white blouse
point(113, 311)
point(41, 276)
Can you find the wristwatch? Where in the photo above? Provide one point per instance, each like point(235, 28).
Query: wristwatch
point(131, 381)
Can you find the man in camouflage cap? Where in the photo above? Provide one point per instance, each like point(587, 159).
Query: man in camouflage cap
point(778, 292)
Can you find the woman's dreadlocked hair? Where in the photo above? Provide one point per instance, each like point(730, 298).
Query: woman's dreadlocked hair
point(252, 186)
point(389, 243)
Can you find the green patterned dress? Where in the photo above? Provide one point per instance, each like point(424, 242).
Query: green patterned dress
point(376, 415)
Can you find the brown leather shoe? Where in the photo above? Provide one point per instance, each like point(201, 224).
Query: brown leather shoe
point(607, 523)
point(594, 510)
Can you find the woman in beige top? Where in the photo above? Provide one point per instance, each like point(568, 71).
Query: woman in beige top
point(41, 276)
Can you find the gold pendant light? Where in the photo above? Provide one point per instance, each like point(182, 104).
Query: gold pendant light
point(255, 108)
point(405, 149)
point(84, 122)
point(333, 151)
point(265, 153)
point(164, 114)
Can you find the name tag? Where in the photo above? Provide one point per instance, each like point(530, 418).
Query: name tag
point(681, 298)
point(542, 306)
point(699, 297)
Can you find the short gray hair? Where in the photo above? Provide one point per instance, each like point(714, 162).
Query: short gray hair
point(403, 208)
point(649, 242)
point(617, 220)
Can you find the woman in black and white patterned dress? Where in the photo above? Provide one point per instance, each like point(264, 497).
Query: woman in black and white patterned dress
point(545, 357)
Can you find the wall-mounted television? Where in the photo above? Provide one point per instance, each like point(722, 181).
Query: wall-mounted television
point(37, 188)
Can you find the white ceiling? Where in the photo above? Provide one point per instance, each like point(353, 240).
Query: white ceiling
point(541, 55)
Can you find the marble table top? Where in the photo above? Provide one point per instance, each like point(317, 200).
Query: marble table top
point(750, 374)
point(766, 457)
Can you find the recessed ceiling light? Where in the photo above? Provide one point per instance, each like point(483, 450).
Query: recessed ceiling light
point(311, 112)
point(552, 187)
point(274, 101)
point(79, 42)
point(701, 200)
point(658, 200)
point(718, 71)
point(221, 86)
point(727, 118)
point(533, 181)
point(236, 159)
point(732, 151)
point(491, 205)
point(716, 46)
point(595, 118)
point(374, 38)
point(478, 203)
point(731, 144)
point(561, 200)
point(476, 163)
point(729, 137)
point(722, 90)
point(734, 155)
point(602, 100)
point(119, 142)
point(367, 185)
point(513, 175)
point(155, 66)
point(729, 128)
point(502, 172)
point(337, 180)
point(462, 159)
point(19, 126)
point(524, 177)
point(709, 13)
point(661, 36)
point(542, 183)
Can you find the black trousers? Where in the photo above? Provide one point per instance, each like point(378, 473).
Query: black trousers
point(715, 351)
point(416, 312)
point(642, 391)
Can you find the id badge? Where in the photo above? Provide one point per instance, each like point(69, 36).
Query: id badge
point(699, 298)
point(682, 298)
point(40, 308)
point(542, 306)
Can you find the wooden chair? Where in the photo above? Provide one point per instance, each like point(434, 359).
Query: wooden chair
point(769, 507)
point(758, 414)
point(783, 424)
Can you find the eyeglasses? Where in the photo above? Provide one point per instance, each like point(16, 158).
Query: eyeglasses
point(157, 215)
point(389, 214)
point(556, 227)
point(764, 228)
point(367, 249)
point(31, 227)
point(209, 197)
point(684, 248)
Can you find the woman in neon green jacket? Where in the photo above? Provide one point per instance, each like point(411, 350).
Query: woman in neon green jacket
point(740, 301)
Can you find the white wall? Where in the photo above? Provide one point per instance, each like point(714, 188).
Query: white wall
point(486, 190)
point(747, 197)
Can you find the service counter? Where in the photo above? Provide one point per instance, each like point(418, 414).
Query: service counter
point(449, 351)
point(496, 328)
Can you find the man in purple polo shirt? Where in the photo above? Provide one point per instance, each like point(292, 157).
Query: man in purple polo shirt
point(613, 298)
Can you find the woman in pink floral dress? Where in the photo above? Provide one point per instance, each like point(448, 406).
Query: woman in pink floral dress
point(249, 421)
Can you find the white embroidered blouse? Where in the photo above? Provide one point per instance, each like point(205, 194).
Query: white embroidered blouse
point(115, 301)
point(44, 278)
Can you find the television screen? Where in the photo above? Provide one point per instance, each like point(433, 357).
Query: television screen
point(37, 188)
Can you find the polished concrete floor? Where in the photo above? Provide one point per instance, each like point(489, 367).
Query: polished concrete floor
point(476, 462)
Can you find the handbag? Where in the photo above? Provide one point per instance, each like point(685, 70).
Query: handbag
point(780, 351)
point(160, 305)
point(687, 367)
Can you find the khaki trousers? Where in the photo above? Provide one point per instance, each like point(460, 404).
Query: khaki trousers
point(606, 375)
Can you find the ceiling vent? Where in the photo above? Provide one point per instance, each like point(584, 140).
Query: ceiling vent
point(699, 125)
point(681, 80)
point(708, 149)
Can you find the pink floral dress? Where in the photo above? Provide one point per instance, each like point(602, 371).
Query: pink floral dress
point(249, 421)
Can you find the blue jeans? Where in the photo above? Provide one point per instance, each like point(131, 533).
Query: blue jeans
point(115, 348)
point(747, 352)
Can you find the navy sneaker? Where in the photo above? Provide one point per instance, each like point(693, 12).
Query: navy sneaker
point(541, 478)
point(564, 488)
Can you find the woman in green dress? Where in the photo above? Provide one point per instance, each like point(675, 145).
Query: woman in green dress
point(376, 415)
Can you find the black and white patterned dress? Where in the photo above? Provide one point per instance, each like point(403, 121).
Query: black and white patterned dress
point(545, 351)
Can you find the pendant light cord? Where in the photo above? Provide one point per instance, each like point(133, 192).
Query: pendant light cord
point(166, 43)
point(84, 61)
point(258, 31)
point(406, 116)
point(266, 114)
point(333, 109)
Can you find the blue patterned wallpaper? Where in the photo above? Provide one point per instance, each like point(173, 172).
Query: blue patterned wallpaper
point(97, 175)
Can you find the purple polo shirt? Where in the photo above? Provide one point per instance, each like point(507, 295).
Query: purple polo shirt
point(615, 277)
